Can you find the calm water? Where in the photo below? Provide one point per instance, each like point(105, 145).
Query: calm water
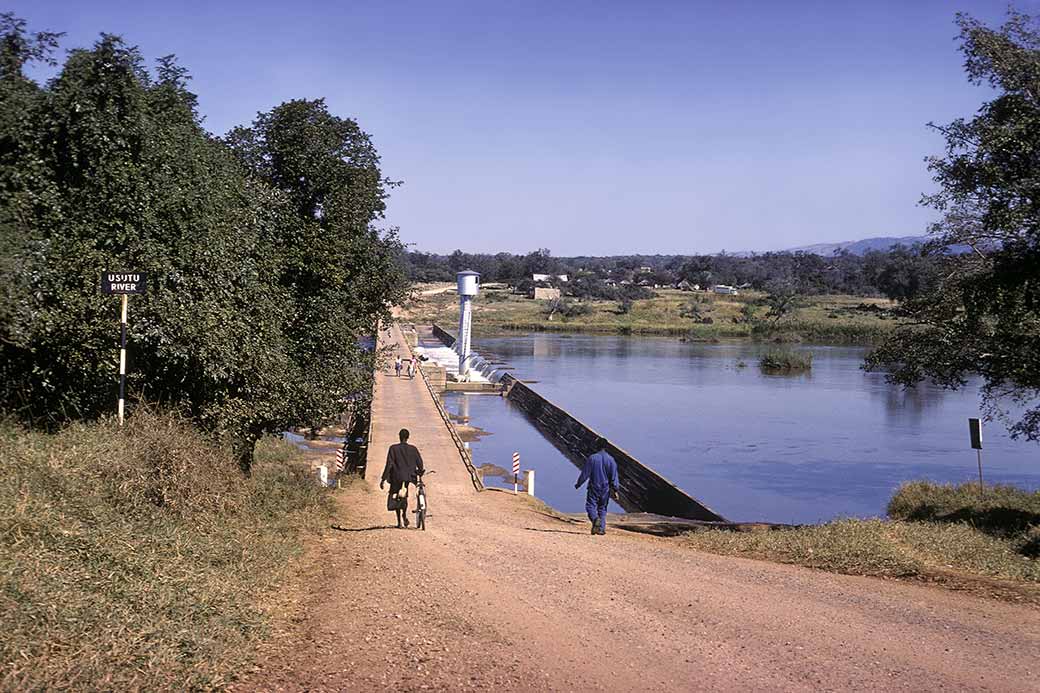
point(834, 442)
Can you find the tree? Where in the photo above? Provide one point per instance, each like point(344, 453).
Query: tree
point(983, 313)
point(264, 265)
point(904, 273)
point(782, 300)
point(342, 274)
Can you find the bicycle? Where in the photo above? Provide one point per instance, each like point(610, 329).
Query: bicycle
point(420, 502)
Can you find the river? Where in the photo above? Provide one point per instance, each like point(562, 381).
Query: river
point(836, 441)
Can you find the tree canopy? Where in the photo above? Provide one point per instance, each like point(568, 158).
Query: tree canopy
point(982, 312)
point(264, 262)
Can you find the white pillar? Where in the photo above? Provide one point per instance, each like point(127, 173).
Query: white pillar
point(530, 481)
point(465, 328)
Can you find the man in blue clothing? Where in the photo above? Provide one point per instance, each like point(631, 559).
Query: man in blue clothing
point(601, 472)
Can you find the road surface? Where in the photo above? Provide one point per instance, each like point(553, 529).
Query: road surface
point(500, 594)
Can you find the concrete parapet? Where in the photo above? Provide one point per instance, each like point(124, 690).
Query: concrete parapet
point(642, 489)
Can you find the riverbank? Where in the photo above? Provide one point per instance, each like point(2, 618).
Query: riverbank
point(953, 536)
point(698, 316)
point(140, 559)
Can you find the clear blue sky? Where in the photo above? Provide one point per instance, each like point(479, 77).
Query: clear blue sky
point(594, 127)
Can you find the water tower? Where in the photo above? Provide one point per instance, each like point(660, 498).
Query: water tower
point(469, 284)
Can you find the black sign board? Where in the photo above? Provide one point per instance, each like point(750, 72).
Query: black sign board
point(975, 429)
point(123, 282)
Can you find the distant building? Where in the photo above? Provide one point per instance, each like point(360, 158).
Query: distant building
point(723, 289)
point(545, 294)
point(548, 277)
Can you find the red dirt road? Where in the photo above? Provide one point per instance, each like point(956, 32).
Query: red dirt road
point(499, 594)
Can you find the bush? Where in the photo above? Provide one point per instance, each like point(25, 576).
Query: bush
point(782, 359)
point(1002, 511)
point(138, 558)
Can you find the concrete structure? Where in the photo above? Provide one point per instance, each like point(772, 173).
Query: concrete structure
point(642, 489)
point(544, 294)
point(723, 289)
point(469, 285)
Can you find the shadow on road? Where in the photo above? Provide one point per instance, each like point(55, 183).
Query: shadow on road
point(361, 529)
point(555, 531)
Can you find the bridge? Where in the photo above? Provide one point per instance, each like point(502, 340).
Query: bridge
point(503, 593)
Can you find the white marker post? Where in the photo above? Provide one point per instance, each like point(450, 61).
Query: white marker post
point(975, 431)
point(123, 284)
point(516, 472)
point(122, 358)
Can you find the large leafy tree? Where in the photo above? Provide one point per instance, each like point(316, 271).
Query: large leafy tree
point(259, 290)
point(982, 312)
point(341, 272)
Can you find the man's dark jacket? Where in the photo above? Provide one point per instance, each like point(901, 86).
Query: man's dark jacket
point(403, 464)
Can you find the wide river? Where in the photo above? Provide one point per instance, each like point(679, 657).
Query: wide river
point(805, 448)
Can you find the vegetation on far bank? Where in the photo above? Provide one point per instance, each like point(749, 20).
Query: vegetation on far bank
point(699, 316)
point(140, 559)
point(943, 533)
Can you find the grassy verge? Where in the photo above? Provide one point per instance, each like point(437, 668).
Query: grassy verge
point(139, 559)
point(695, 316)
point(941, 533)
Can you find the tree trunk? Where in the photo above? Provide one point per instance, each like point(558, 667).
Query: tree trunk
point(243, 448)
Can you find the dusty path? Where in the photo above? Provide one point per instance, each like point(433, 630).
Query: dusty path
point(500, 595)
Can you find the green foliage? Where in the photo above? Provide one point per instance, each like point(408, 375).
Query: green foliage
point(982, 315)
point(904, 273)
point(566, 308)
point(137, 558)
point(785, 360)
point(782, 300)
point(264, 265)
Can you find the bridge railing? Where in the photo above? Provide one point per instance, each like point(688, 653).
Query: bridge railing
point(467, 458)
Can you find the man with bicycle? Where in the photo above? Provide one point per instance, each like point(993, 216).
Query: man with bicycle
point(404, 465)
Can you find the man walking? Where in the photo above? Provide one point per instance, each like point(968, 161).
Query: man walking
point(403, 466)
point(397, 365)
point(411, 369)
point(600, 471)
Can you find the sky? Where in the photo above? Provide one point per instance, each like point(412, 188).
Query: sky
point(593, 128)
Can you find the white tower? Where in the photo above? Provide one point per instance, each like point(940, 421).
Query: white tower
point(469, 284)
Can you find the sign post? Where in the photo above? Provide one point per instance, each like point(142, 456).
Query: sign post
point(975, 430)
point(516, 471)
point(123, 284)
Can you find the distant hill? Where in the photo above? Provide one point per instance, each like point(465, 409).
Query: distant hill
point(861, 247)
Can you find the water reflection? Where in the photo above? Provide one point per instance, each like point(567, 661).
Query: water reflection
point(836, 441)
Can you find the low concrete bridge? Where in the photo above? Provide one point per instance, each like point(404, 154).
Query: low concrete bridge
point(503, 593)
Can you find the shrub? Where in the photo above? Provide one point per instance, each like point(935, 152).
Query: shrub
point(782, 359)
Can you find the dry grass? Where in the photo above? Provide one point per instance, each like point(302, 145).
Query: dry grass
point(834, 319)
point(139, 559)
point(947, 534)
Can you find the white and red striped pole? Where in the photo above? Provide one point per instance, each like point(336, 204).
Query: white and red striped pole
point(516, 471)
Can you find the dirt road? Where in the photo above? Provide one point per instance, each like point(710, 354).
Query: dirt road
point(499, 594)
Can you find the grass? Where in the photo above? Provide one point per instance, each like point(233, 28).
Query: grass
point(821, 319)
point(139, 559)
point(785, 360)
point(942, 533)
